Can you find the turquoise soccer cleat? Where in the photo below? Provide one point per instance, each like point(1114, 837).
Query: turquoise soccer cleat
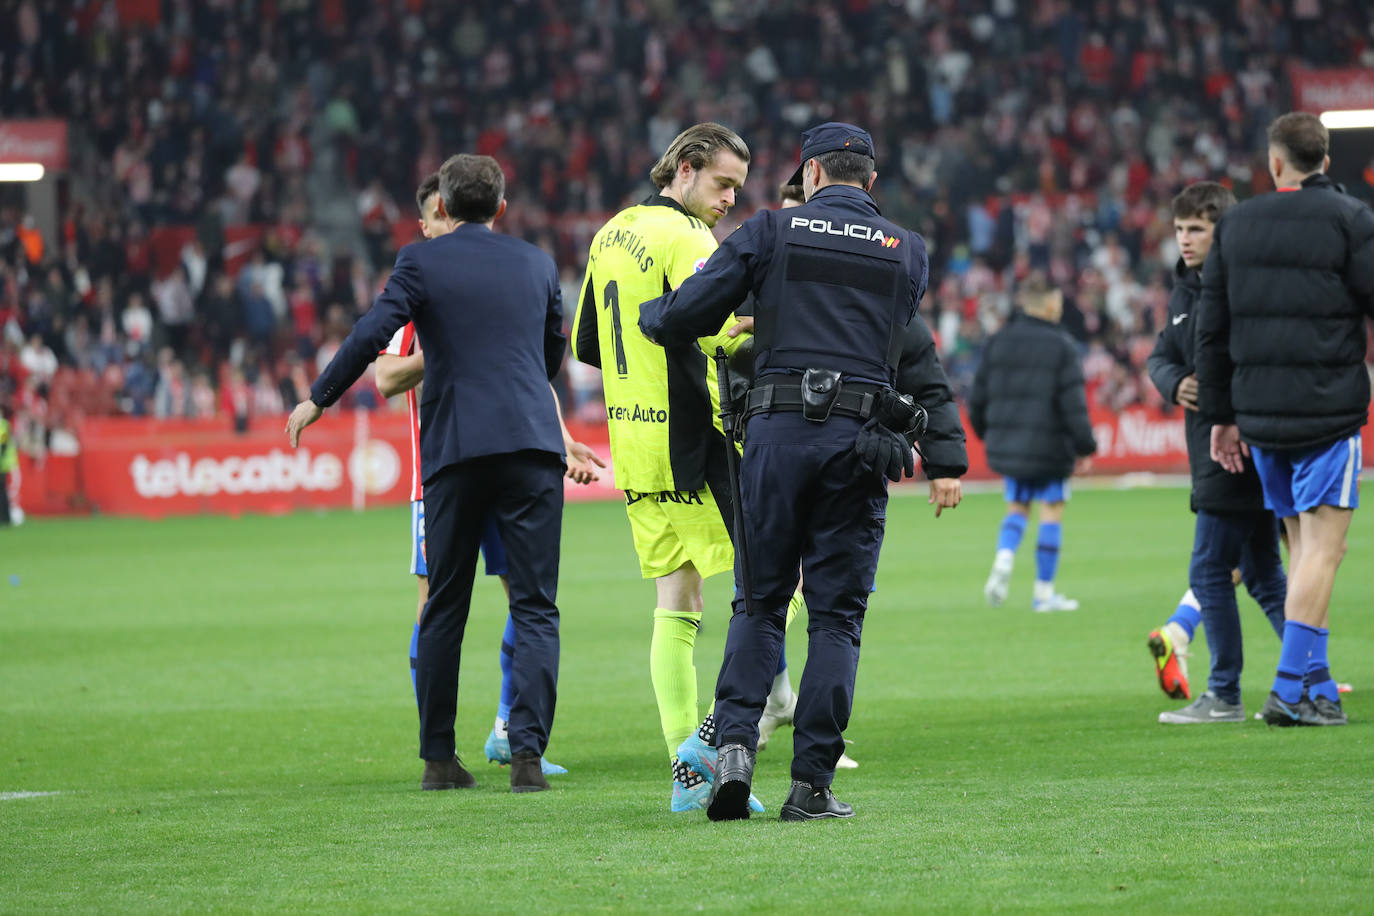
point(699, 756)
point(690, 790)
point(497, 750)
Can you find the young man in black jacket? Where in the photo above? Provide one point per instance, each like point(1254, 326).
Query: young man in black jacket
point(1233, 527)
point(1281, 373)
point(1029, 408)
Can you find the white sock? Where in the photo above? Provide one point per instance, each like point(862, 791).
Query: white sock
point(1004, 557)
point(1178, 636)
point(781, 694)
point(500, 728)
point(1043, 590)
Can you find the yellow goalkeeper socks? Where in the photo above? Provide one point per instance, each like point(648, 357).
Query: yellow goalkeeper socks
point(674, 675)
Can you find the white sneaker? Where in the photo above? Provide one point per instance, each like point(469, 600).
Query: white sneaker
point(773, 717)
point(846, 762)
point(1054, 602)
point(999, 580)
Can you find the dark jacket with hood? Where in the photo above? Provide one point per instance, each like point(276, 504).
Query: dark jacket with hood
point(1214, 488)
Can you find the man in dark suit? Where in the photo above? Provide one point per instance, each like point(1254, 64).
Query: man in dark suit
point(488, 312)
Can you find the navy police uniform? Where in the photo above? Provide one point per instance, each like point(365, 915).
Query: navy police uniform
point(836, 285)
point(488, 312)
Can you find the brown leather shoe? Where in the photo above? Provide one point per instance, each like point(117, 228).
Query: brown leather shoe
point(446, 774)
point(526, 774)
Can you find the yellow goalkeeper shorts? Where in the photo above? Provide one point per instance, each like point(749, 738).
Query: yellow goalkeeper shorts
point(672, 528)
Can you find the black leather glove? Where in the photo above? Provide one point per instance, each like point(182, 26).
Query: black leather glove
point(882, 450)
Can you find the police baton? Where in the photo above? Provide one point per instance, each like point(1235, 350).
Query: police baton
point(729, 422)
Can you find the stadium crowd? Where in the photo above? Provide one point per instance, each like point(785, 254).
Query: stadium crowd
point(1043, 135)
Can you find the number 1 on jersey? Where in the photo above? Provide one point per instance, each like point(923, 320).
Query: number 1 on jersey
point(612, 297)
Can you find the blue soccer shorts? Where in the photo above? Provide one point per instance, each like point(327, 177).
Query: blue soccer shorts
point(493, 551)
point(1043, 489)
point(1299, 481)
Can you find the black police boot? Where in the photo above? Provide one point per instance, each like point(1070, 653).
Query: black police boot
point(526, 773)
point(446, 774)
point(807, 803)
point(730, 792)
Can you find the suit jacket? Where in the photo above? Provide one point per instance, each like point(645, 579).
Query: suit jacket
point(489, 314)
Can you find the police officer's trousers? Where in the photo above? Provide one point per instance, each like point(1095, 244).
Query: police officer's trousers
point(808, 503)
point(523, 491)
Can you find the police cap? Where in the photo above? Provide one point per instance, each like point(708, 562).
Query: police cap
point(831, 137)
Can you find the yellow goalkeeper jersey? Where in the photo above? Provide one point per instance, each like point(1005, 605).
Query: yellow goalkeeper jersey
point(661, 404)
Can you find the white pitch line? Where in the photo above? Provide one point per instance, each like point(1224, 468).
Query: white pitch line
point(11, 796)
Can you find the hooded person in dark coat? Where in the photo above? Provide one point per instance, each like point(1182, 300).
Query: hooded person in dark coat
point(1031, 411)
point(1233, 529)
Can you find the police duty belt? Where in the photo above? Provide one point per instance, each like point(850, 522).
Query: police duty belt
point(819, 394)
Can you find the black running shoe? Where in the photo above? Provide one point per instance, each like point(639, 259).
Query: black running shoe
point(1319, 710)
point(1277, 712)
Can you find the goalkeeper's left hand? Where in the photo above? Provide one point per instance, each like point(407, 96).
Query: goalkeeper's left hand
point(744, 325)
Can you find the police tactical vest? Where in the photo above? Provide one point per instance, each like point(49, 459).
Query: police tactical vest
point(839, 296)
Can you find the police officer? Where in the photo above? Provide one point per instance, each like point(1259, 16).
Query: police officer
point(836, 287)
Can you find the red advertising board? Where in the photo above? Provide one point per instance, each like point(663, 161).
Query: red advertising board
point(154, 468)
point(44, 142)
point(1332, 89)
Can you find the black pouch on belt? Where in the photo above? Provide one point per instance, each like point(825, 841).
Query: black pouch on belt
point(819, 388)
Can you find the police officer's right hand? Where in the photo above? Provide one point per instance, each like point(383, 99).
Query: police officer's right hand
point(882, 450)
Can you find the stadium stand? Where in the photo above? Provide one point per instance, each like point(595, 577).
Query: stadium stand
point(241, 173)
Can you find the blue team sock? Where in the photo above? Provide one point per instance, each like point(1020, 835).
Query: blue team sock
point(1188, 614)
point(414, 655)
point(1010, 534)
point(1319, 681)
point(1298, 639)
point(782, 661)
point(507, 664)
point(1047, 551)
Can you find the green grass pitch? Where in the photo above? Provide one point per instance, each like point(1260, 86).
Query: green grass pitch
point(224, 712)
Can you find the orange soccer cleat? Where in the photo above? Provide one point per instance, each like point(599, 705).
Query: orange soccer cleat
point(1170, 661)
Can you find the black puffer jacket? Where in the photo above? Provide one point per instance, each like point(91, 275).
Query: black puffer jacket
point(1214, 489)
point(1028, 404)
point(1280, 327)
